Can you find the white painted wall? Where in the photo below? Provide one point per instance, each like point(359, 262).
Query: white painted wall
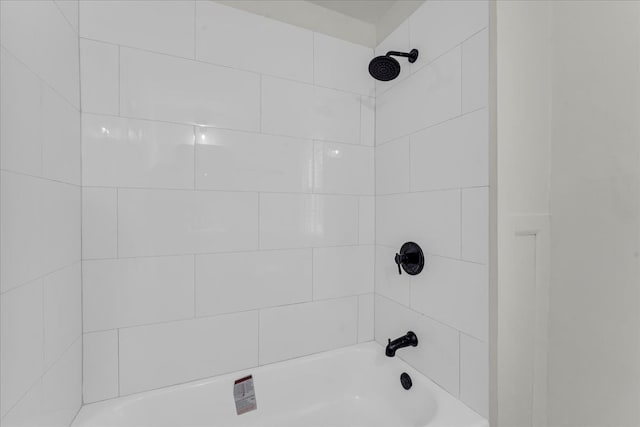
point(432, 182)
point(40, 290)
point(228, 192)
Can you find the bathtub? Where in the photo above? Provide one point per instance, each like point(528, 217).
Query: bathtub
point(351, 387)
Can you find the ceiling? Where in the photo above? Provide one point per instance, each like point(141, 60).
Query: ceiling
point(367, 11)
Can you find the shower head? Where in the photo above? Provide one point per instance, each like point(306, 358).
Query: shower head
point(386, 68)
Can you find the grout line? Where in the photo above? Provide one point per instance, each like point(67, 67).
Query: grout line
point(119, 83)
point(195, 286)
point(459, 364)
point(118, 350)
point(460, 211)
point(195, 30)
point(117, 223)
point(41, 277)
point(43, 178)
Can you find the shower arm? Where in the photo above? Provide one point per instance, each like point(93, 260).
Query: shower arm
point(396, 53)
point(412, 55)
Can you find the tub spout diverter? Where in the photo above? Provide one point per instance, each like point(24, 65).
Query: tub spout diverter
point(410, 339)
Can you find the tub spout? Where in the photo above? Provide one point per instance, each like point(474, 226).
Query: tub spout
point(410, 339)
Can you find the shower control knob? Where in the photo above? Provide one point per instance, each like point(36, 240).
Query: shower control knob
point(410, 259)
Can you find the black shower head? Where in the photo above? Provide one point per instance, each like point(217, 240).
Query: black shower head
point(386, 68)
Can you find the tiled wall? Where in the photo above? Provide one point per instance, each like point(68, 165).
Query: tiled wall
point(432, 188)
point(228, 193)
point(40, 302)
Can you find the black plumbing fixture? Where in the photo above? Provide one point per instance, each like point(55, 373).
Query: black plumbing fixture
point(386, 68)
point(410, 258)
point(405, 380)
point(410, 339)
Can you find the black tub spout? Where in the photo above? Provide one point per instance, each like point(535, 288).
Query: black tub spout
point(410, 339)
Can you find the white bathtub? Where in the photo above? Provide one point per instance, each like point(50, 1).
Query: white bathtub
point(350, 387)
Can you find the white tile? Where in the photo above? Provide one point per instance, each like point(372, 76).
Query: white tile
point(342, 271)
point(120, 152)
point(160, 87)
point(227, 283)
point(161, 26)
point(62, 311)
point(475, 72)
point(70, 9)
point(239, 39)
point(99, 77)
point(62, 388)
point(99, 223)
point(170, 353)
point(474, 374)
point(365, 317)
point(427, 97)
point(243, 161)
point(388, 282)
point(431, 219)
point(21, 342)
point(439, 25)
point(393, 167)
point(305, 111)
point(339, 64)
point(342, 168)
point(398, 40)
point(60, 138)
point(452, 154)
point(40, 37)
point(475, 224)
point(20, 113)
point(437, 354)
point(367, 121)
point(317, 326)
point(21, 251)
point(305, 220)
point(100, 366)
point(127, 292)
point(453, 292)
point(166, 222)
point(367, 221)
point(27, 412)
point(62, 221)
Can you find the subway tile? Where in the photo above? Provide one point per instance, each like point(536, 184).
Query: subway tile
point(440, 25)
point(161, 26)
point(365, 317)
point(431, 219)
point(167, 222)
point(302, 110)
point(475, 72)
point(342, 271)
point(343, 168)
point(70, 10)
point(20, 113)
point(99, 77)
point(307, 220)
point(239, 39)
point(475, 224)
point(62, 311)
point(243, 161)
point(21, 342)
point(339, 64)
point(437, 354)
point(398, 40)
point(474, 374)
point(62, 388)
point(160, 87)
point(388, 282)
point(393, 167)
point(99, 223)
point(244, 281)
point(317, 326)
point(100, 366)
point(127, 292)
point(41, 38)
point(21, 252)
point(61, 218)
point(455, 293)
point(121, 152)
point(429, 96)
point(367, 222)
point(27, 412)
point(367, 121)
point(60, 139)
point(170, 353)
point(452, 154)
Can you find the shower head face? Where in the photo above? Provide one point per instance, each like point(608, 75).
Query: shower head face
point(384, 68)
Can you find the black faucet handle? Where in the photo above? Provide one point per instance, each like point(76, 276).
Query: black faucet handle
point(400, 259)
